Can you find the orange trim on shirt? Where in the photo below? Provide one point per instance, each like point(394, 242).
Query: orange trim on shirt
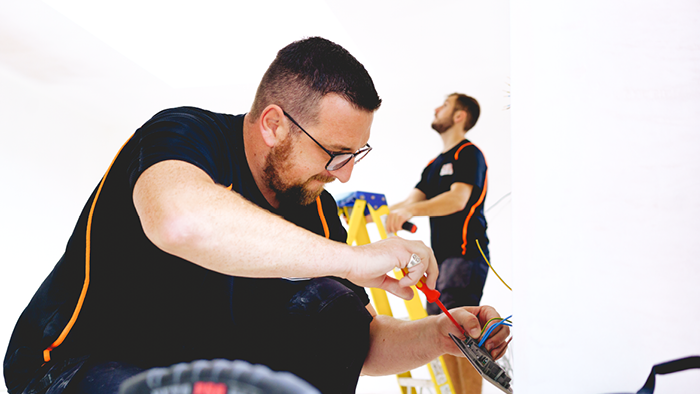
point(471, 212)
point(86, 283)
point(323, 217)
point(462, 147)
point(479, 202)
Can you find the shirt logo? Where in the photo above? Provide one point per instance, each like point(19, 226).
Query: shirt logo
point(446, 169)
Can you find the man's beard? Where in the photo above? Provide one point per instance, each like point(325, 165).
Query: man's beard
point(442, 127)
point(287, 193)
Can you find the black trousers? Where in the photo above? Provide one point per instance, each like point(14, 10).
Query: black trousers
point(461, 282)
point(323, 338)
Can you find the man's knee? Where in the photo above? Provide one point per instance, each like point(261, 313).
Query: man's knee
point(327, 331)
point(102, 378)
point(324, 296)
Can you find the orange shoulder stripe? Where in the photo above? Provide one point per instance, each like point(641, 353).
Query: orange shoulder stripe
point(86, 282)
point(323, 217)
point(462, 147)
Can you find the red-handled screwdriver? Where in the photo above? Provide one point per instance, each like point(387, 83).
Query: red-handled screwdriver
point(433, 296)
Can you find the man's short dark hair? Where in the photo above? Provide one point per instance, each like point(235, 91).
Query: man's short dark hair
point(305, 71)
point(470, 106)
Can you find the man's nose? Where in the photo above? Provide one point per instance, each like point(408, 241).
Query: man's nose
point(343, 173)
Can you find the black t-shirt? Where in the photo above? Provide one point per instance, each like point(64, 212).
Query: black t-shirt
point(455, 234)
point(143, 305)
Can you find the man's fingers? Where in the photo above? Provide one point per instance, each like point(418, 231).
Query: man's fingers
point(500, 351)
point(415, 260)
point(431, 270)
point(421, 263)
point(410, 279)
point(392, 286)
point(496, 342)
point(395, 220)
point(499, 334)
point(388, 224)
point(394, 226)
point(412, 272)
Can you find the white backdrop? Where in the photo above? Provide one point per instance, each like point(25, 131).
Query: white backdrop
point(606, 193)
point(600, 245)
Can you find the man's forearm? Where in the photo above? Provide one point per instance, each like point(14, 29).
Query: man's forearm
point(398, 346)
point(447, 203)
point(415, 196)
point(441, 205)
point(218, 229)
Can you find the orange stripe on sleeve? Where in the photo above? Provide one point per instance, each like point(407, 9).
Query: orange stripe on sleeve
point(323, 217)
point(86, 282)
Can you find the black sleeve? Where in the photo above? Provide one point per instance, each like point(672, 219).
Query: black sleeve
point(330, 211)
point(338, 233)
point(188, 134)
point(422, 184)
point(470, 168)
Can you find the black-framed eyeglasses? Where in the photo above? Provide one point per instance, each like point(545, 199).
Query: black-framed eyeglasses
point(338, 159)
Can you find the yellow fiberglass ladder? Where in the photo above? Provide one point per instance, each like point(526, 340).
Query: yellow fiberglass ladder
point(355, 206)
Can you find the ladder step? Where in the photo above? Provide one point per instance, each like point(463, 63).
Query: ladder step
point(411, 382)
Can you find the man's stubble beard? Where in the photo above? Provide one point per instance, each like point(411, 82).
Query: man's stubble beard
point(442, 127)
point(288, 193)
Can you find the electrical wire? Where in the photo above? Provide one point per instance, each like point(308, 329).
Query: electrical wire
point(488, 332)
point(487, 262)
point(493, 327)
point(496, 203)
point(490, 320)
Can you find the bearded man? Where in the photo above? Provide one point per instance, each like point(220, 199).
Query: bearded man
point(451, 191)
point(211, 237)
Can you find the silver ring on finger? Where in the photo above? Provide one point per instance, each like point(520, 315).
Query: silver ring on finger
point(415, 260)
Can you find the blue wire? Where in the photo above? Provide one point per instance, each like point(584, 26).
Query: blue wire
point(493, 326)
point(488, 332)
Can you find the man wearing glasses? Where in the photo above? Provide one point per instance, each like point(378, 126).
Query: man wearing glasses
point(211, 237)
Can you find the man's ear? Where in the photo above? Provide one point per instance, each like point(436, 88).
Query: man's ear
point(272, 127)
point(460, 116)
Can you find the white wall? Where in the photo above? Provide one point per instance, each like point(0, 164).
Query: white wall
point(606, 193)
point(604, 123)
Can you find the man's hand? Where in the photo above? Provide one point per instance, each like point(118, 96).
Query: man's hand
point(399, 345)
point(375, 260)
point(396, 219)
point(473, 318)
